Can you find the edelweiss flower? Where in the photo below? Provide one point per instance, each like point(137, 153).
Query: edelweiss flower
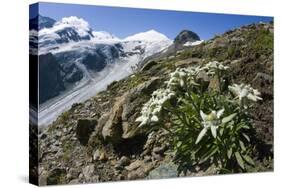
point(245, 91)
point(211, 121)
point(177, 78)
point(212, 66)
point(182, 76)
point(152, 108)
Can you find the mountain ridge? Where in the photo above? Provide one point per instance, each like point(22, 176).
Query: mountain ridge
point(84, 56)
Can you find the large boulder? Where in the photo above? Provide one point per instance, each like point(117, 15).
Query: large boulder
point(166, 170)
point(84, 129)
point(112, 129)
point(89, 174)
point(120, 122)
point(132, 106)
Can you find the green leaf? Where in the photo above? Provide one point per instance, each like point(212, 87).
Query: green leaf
point(249, 160)
point(209, 154)
point(221, 131)
point(246, 136)
point(242, 145)
point(244, 126)
point(179, 144)
point(229, 153)
point(200, 136)
point(228, 118)
point(239, 160)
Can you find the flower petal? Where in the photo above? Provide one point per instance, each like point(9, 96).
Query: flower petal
point(203, 115)
point(201, 134)
point(214, 131)
point(220, 112)
point(154, 118)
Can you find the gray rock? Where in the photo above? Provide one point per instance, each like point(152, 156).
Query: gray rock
point(159, 150)
point(167, 170)
point(74, 181)
point(134, 165)
point(56, 176)
point(99, 154)
point(264, 77)
point(147, 158)
point(132, 106)
point(73, 173)
point(137, 174)
point(84, 129)
point(89, 173)
point(140, 170)
point(112, 130)
point(124, 161)
point(43, 178)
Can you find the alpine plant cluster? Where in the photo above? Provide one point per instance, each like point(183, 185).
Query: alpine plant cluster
point(197, 112)
point(181, 78)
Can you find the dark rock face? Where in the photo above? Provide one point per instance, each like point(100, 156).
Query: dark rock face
point(50, 78)
point(69, 34)
point(186, 36)
point(41, 22)
point(95, 62)
point(71, 73)
point(84, 129)
point(98, 59)
point(55, 74)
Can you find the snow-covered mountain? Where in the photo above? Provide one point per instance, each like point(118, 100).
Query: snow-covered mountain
point(85, 60)
point(149, 36)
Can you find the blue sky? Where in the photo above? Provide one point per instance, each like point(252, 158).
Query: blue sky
point(123, 22)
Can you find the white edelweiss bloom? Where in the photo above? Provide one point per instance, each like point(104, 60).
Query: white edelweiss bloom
point(182, 76)
point(211, 121)
point(245, 91)
point(177, 78)
point(153, 107)
point(212, 66)
point(154, 118)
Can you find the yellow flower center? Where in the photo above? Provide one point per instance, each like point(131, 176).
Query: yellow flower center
point(211, 117)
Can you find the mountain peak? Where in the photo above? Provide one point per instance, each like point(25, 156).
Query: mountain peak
point(186, 36)
point(41, 22)
point(150, 35)
point(75, 22)
point(80, 25)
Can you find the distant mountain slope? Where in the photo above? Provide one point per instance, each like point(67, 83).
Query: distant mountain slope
point(179, 43)
point(85, 57)
point(41, 22)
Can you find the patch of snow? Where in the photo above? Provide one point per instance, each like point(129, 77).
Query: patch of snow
point(150, 35)
point(103, 36)
point(81, 26)
point(193, 43)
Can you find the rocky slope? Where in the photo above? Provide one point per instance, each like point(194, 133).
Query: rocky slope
point(98, 140)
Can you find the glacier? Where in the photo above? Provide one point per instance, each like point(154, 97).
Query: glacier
point(74, 38)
